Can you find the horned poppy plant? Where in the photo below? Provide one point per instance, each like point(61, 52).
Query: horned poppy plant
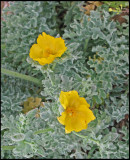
point(77, 114)
point(47, 49)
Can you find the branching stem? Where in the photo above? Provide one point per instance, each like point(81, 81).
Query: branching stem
point(22, 76)
point(97, 142)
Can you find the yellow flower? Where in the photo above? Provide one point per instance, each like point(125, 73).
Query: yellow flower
point(47, 49)
point(110, 9)
point(77, 114)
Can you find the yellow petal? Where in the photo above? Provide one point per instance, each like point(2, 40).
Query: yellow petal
point(70, 98)
point(84, 102)
point(83, 112)
point(68, 125)
point(63, 99)
point(67, 131)
point(45, 41)
point(61, 119)
point(75, 124)
point(73, 98)
point(43, 61)
point(35, 51)
point(59, 46)
point(79, 120)
point(73, 92)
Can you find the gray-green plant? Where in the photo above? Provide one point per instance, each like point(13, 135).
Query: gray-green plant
point(95, 64)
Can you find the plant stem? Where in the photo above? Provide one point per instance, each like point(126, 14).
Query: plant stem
point(79, 135)
point(86, 44)
point(50, 78)
point(22, 76)
point(7, 147)
point(43, 131)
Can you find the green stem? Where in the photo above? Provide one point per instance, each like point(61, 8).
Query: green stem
point(86, 44)
point(22, 76)
point(43, 131)
point(7, 147)
point(97, 142)
point(27, 142)
point(48, 74)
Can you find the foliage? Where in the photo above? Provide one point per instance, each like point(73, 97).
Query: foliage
point(116, 4)
point(95, 65)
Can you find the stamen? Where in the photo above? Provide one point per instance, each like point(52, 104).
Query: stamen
point(70, 114)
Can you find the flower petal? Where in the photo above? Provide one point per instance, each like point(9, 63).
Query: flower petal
point(75, 124)
point(84, 102)
point(59, 46)
point(79, 121)
point(73, 98)
point(63, 99)
point(45, 41)
point(44, 61)
point(67, 131)
point(86, 114)
point(35, 51)
point(61, 119)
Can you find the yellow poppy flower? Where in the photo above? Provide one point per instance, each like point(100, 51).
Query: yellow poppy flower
point(77, 114)
point(47, 49)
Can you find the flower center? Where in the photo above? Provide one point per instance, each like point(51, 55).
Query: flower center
point(70, 111)
point(49, 51)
